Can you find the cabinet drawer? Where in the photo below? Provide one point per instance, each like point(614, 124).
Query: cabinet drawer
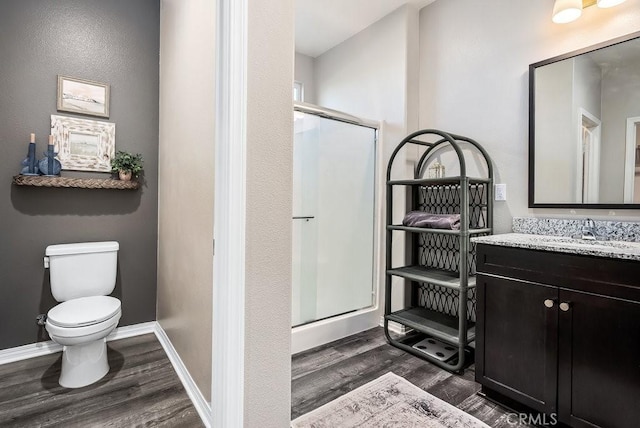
point(599, 275)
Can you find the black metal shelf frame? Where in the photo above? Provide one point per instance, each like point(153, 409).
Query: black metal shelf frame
point(441, 266)
point(440, 277)
point(433, 323)
point(483, 231)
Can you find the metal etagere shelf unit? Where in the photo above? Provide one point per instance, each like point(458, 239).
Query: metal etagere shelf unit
point(440, 266)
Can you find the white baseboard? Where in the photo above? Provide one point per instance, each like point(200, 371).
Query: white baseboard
point(132, 330)
point(38, 349)
point(31, 350)
point(396, 327)
point(202, 406)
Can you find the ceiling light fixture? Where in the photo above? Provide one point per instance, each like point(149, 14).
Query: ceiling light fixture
point(565, 11)
point(609, 3)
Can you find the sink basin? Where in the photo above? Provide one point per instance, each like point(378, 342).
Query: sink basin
point(596, 238)
point(588, 244)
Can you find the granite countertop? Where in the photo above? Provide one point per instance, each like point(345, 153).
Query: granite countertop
point(561, 244)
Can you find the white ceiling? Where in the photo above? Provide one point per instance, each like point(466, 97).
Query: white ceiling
point(323, 24)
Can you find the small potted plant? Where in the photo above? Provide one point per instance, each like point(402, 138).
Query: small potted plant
point(126, 165)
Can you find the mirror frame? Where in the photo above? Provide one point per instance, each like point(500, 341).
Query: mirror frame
point(532, 67)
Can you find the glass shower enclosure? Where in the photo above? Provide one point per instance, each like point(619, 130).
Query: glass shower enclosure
point(334, 198)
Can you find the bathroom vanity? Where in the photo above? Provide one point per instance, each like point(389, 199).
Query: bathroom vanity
point(558, 327)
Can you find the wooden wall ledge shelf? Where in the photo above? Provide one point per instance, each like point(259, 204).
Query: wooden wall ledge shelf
point(78, 183)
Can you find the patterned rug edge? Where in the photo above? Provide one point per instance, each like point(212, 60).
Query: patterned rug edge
point(311, 419)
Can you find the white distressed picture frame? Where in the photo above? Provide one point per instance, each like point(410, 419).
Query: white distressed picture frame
point(84, 145)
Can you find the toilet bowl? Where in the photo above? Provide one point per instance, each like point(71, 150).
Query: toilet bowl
point(81, 326)
point(81, 276)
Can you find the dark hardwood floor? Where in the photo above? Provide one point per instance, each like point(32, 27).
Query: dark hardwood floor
point(322, 374)
point(141, 389)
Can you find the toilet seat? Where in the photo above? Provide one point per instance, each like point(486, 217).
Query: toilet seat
point(84, 311)
point(82, 326)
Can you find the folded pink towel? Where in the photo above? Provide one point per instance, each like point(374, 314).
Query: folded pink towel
point(432, 221)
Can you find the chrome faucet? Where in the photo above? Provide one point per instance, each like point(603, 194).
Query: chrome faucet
point(589, 230)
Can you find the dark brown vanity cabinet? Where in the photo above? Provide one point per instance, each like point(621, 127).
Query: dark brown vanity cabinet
point(560, 333)
point(517, 341)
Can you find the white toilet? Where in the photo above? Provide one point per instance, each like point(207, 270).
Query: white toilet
point(82, 275)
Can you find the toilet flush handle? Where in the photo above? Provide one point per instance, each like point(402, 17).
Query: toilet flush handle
point(46, 262)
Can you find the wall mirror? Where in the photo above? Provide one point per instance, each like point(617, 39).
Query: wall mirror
point(584, 127)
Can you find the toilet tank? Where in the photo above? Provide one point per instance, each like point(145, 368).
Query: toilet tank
point(83, 269)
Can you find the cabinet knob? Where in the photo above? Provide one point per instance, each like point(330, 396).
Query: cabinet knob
point(564, 306)
point(548, 303)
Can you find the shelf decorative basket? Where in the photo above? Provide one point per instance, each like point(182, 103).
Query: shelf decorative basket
point(78, 183)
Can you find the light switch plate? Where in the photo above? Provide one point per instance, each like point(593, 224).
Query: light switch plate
point(501, 192)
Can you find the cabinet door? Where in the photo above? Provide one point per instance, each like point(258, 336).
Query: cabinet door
point(599, 361)
point(517, 340)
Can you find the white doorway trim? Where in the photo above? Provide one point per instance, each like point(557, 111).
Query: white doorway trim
point(593, 158)
point(227, 380)
point(630, 158)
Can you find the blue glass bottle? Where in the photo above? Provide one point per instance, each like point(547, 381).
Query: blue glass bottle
point(49, 165)
point(30, 165)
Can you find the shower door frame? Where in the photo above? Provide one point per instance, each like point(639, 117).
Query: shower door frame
point(319, 332)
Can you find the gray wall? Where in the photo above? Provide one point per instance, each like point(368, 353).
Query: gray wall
point(117, 42)
point(474, 79)
point(620, 95)
point(269, 190)
point(562, 89)
point(372, 75)
point(555, 142)
point(304, 72)
point(187, 116)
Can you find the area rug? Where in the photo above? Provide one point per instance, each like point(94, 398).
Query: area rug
point(390, 402)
